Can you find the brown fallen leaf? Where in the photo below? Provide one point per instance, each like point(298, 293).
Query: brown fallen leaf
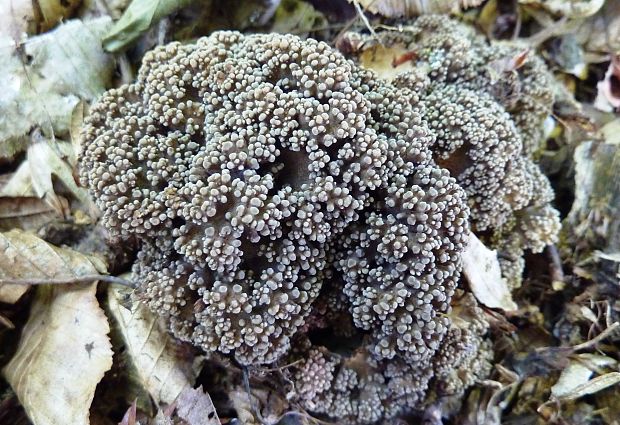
point(62, 355)
point(196, 408)
point(25, 256)
point(27, 213)
point(162, 372)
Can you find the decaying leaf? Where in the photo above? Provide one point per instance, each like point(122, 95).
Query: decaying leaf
point(63, 353)
point(130, 415)
point(27, 213)
point(17, 17)
point(568, 8)
point(482, 270)
point(137, 19)
point(386, 61)
point(31, 17)
point(297, 17)
point(578, 373)
point(409, 8)
point(46, 76)
point(25, 256)
point(47, 163)
point(591, 386)
point(196, 408)
point(608, 89)
point(152, 351)
point(594, 217)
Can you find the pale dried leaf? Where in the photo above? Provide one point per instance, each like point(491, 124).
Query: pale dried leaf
point(63, 353)
point(48, 163)
point(409, 8)
point(386, 61)
point(46, 77)
point(17, 17)
point(27, 213)
point(25, 256)
point(590, 387)
point(482, 270)
point(196, 408)
point(568, 8)
point(151, 350)
point(573, 376)
point(608, 96)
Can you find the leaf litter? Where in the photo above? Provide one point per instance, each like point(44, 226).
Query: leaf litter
point(556, 355)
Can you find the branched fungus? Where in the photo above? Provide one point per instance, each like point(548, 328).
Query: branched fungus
point(277, 187)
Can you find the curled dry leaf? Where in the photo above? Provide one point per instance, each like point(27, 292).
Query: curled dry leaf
point(25, 256)
point(608, 89)
point(578, 373)
point(137, 19)
point(409, 8)
point(63, 353)
point(482, 270)
point(48, 163)
point(151, 350)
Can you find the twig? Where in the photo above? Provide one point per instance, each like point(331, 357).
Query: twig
point(246, 386)
point(363, 17)
point(286, 366)
point(597, 338)
point(68, 280)
point(557, 274)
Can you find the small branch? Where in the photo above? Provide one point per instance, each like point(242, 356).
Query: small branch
point(363, 17)
point(68, 280)
point(597, 338)
point(557, 274)
point(286, 366)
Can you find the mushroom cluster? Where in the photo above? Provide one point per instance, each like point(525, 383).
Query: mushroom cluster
point(275, 187)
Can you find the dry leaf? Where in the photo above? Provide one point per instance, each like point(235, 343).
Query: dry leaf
point(27, 213)
point(24, 256)
point(409, 8)
point(63, 353)
point(48, 163)
point(297, 17)
point(608, 89)
point(568, 8)
point(387, 62)
point(152, 351)
point(589, 387)
point(196, 407)
point(46, 76)
point(137, 19)
point(594, 220)
point(130, 415)
point(482, 270)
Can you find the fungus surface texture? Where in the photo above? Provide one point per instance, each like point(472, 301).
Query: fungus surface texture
point(277, 188)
